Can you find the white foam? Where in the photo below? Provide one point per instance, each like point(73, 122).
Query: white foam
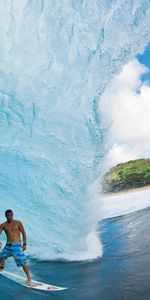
point(122, 204)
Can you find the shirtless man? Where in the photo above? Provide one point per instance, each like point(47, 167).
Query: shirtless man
point(13, 247)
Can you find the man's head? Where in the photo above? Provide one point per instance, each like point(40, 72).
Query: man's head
point(9, 215)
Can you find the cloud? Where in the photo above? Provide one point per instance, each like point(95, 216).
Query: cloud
point(125, 115)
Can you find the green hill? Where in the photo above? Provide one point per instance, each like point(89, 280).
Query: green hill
point(132, 174)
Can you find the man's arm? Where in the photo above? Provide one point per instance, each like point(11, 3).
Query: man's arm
point(23, 235)
point(1, 230)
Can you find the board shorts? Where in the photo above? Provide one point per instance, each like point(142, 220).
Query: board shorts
point(14, 250)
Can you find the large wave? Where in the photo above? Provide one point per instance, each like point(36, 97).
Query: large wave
point(56, 58)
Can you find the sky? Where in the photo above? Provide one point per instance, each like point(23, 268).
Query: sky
point(125, 113)
point(145, 59)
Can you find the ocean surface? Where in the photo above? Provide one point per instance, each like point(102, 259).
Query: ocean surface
point(122, 273)
point(56, 60)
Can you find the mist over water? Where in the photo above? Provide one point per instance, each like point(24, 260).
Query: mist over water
point(56, 59)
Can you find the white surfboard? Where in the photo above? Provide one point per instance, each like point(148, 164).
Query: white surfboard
point(35, 284)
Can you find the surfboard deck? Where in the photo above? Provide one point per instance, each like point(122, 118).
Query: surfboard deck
point(35, 284)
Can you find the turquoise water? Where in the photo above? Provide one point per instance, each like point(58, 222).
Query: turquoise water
point(56, 59)
point(122, 273)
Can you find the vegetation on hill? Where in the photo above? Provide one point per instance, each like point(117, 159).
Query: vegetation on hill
point(132, 174)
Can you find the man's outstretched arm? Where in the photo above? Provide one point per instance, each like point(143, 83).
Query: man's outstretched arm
point(23, 235)
point(1, 230)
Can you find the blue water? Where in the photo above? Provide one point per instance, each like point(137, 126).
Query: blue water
point(56, 58)
point(122, 273)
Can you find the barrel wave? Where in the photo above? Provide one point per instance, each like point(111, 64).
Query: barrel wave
point(56, 59)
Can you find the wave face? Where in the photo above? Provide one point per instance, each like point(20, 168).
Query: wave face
point(56, 58)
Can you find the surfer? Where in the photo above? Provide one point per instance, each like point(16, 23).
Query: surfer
point(13, 247)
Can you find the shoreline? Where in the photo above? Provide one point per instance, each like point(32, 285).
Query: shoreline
point(133, 190)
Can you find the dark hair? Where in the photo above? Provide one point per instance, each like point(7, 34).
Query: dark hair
point(8, 211)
